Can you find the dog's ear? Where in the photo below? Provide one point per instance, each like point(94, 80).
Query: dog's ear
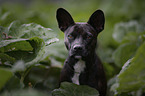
point(64, 19)
point(97, 20)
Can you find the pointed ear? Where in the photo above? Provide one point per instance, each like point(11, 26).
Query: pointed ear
point(97, 20)
point(64, 19)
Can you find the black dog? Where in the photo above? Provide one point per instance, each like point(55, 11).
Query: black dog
point(82, 67)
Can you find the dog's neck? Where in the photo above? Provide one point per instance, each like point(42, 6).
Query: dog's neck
point(79, 67)
point(71, 61)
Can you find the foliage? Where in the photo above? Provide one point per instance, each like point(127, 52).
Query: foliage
point(6, 74)
point(70, 89)
point(25, 49)
point(31, 56)
point(27, 42)
point(134, 75)
point(131, 51)
point(29, 92)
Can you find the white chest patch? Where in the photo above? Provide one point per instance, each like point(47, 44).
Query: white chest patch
point(78, 68)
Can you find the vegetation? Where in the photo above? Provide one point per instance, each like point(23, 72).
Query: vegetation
point(32, 54)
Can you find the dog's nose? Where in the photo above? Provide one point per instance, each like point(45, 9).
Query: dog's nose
point(77, 47)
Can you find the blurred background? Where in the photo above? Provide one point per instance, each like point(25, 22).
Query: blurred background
point(124, 28)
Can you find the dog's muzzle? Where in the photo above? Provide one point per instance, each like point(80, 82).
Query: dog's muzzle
point(77, 51)
point(77, 48)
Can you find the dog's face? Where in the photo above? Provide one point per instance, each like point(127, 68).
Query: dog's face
point(80, 38)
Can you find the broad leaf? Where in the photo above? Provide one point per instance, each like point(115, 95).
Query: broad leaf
point(26, 92)
point(27, 43)
point(4, 58)
point(29, 30)
point(132, 76)
point(123, 53)
point(123, 28)
point(14, 83)
point(70, 89)
point(14, 45)
point(2, 30)
point(5, 75)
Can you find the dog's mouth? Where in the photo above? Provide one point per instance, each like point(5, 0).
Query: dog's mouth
point(78, 57)
point(78, 54)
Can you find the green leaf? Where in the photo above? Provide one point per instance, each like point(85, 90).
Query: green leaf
point(25, 49)
point(5, 75)
point(132, 76)
point(39, 51)
point(53, 40)
point(123, 53)
point(27, 43)
point(70, 89)
point(13, 30)
point(123, 28)
point(13, 84)
point(29, 30)
point(4, 57)
point(2, 29)
point(25, 92)
point(14, 45)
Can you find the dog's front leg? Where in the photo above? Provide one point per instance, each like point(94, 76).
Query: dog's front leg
point(67, 72)
point(66, 75)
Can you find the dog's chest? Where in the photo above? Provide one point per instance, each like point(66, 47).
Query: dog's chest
point(79, 67)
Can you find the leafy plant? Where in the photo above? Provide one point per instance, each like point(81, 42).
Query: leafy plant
point(27, 42)
point(131, 36)
point(131, 77)
point(30, 63)
point(5, 75)
point(70, 89)
point(28, 92)
point(25, 49)
point(131, 51)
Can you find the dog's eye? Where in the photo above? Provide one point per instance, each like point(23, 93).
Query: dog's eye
point(89, 37)
point(70, 36)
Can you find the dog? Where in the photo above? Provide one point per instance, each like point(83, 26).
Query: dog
point(82, 66)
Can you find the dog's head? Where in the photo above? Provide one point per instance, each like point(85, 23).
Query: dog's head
point(80, 38)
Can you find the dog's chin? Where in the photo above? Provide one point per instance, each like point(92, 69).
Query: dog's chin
point(78, 57)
